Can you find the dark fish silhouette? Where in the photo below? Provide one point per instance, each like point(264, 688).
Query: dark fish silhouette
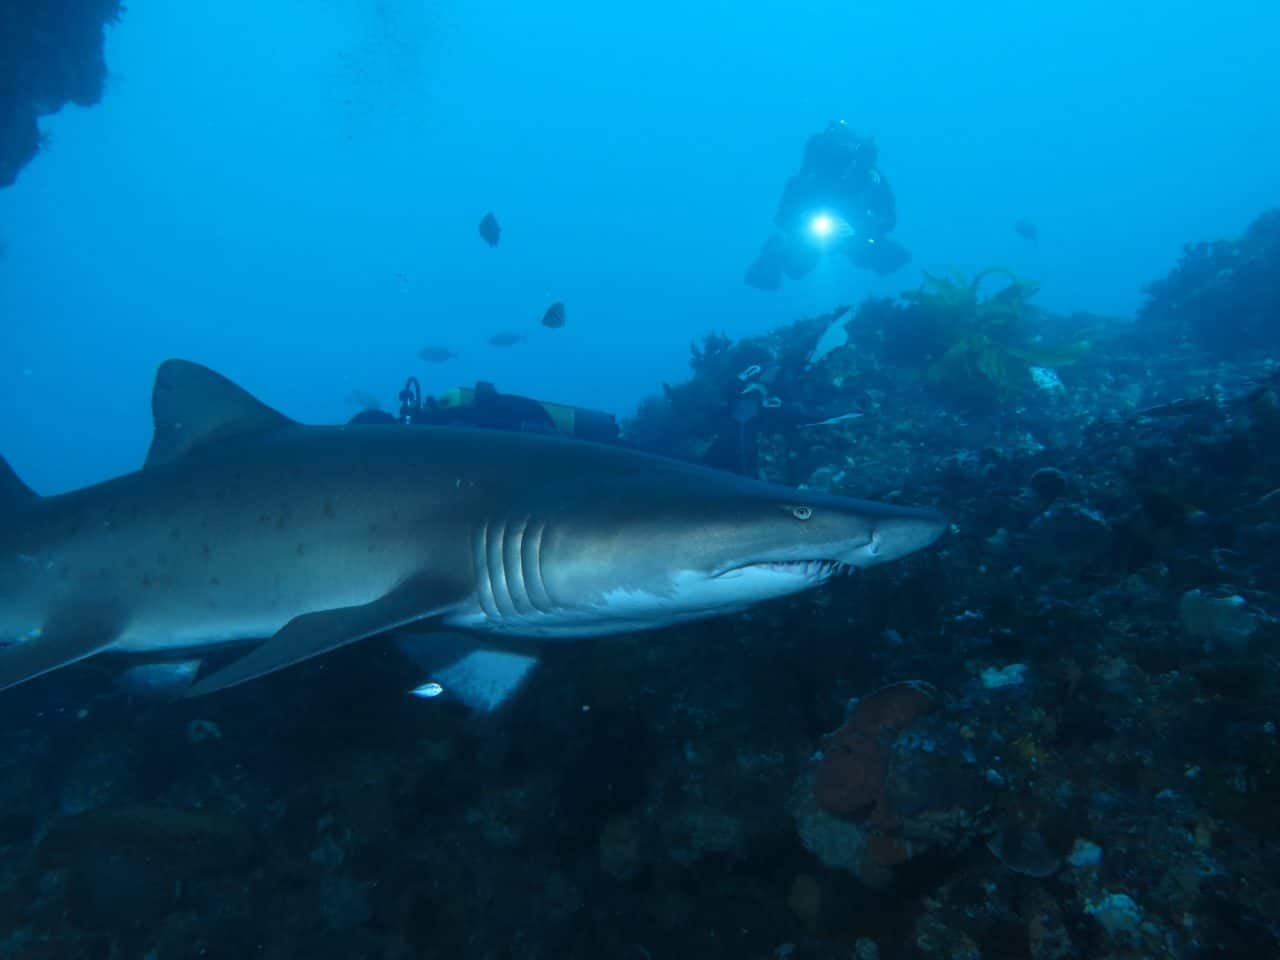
point(1026, 230)
point(554, 317)
point(490, 232)
point(506, 339)
point(436, 354)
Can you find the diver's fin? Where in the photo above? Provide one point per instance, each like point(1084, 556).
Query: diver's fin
point(312, 634)
point(65, 639)
point(191, 406)
point(481, 677)
point(14, 494)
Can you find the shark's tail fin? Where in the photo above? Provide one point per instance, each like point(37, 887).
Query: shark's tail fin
point(14, 494)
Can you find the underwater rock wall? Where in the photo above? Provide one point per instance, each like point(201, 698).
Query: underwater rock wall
point(1102, 626)
point(51, 54)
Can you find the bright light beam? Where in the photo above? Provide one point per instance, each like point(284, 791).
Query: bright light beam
point(821, 225)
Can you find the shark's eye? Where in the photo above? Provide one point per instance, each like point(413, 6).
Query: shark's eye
point(802, 513)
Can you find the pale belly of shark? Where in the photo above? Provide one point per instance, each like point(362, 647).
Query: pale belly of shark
point(692, 596)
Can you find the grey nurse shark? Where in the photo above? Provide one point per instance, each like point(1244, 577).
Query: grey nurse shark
point(246, 526)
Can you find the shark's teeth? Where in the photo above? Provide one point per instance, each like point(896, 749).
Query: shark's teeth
point(813, 569)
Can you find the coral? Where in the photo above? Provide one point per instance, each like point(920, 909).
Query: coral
point(1024, 851)
point(1117, 913)
point(855, 824)
point(1067, 539)
point(851, 776)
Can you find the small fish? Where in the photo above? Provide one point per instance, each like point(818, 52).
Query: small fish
point(363, 400)
point(1026, 230)
point(490, 232)
point(427, 691)
point(554, 317)
point(506, 339)
point(843, 418)
point(479, 678)
point(436, 354)
point(1182, 407)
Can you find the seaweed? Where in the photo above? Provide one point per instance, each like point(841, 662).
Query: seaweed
point(962, 338)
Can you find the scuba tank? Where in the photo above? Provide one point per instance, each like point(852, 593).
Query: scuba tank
point(485, 407)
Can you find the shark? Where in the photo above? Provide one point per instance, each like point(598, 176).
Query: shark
point(247, 527)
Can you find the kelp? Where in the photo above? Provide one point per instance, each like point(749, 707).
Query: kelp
point(991, 341)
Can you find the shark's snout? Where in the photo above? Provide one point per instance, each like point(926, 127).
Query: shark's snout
point(903, 533)
point(891, 533)
point(839, 535)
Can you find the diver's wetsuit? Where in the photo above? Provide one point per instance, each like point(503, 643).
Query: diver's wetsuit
point(746, 410)
point(838, 178)
point(490, 411)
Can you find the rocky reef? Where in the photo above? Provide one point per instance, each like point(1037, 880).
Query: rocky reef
point(50, 55)
point(1233, 279)
point(1052, 736)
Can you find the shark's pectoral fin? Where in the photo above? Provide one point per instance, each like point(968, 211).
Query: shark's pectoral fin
point(68, 636)
point(481, 677)
point(312, 634)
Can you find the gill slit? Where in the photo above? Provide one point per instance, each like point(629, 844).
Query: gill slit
point(484, 585)
point(497, 574)
point(537, 583)
point(513, 567)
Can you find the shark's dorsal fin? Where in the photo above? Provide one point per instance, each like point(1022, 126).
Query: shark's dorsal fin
point(193, 406)
point(14, 494)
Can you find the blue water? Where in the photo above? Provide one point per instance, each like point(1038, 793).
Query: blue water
point(289, 192)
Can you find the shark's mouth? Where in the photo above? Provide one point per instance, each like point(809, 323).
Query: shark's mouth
point(815, 570)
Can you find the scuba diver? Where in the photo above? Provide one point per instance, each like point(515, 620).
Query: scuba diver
point(485, 408)
point(838, 200)
point(750, 404)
